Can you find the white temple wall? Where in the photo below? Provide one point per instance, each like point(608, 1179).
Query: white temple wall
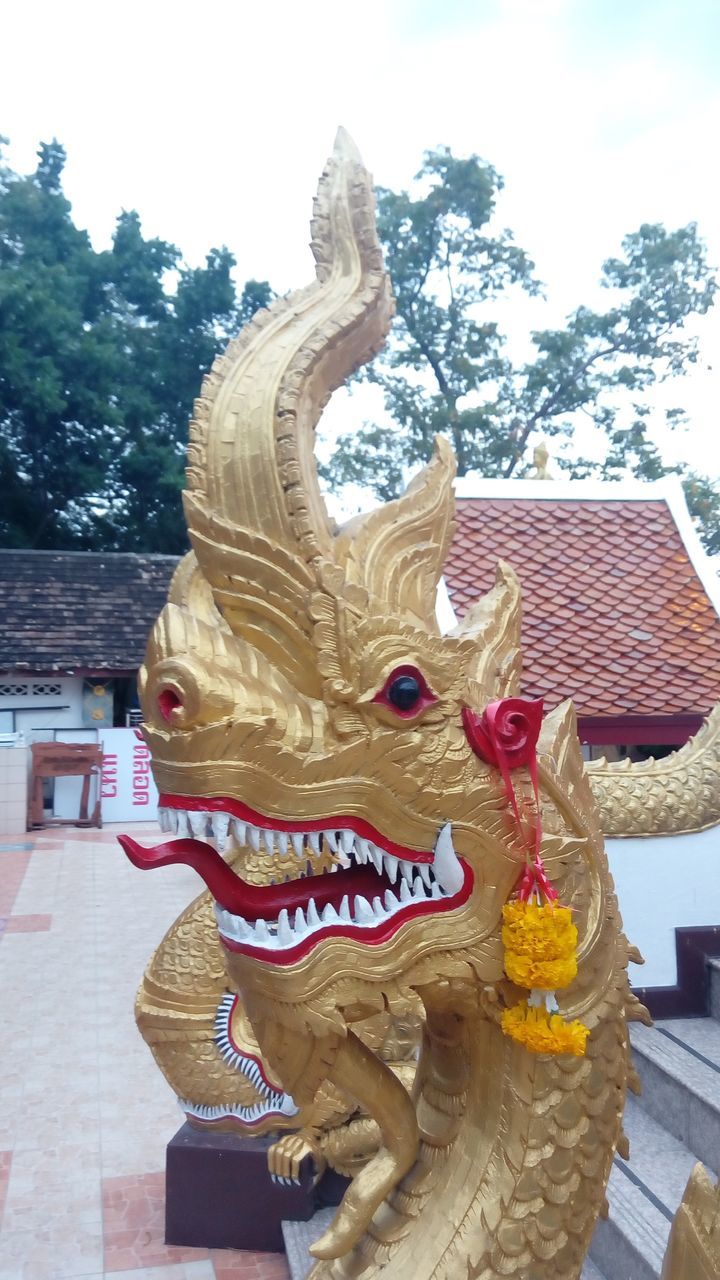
point(665, 883)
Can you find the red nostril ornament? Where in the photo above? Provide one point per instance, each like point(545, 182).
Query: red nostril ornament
point(168, 701)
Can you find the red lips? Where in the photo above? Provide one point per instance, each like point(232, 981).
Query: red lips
point(242, 899)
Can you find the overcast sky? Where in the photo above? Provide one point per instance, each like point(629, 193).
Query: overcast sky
point(214, 120)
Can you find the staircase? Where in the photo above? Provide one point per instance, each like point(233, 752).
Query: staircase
point(674, 1123)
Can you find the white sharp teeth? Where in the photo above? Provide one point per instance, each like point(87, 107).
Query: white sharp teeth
point(232, 926)
point(183, 828)
point(446, 867)
point(164, 819)
point(262, 934)
point(220, 827)
point(198, 824)
point(285, 937)
point(417, 882)
point(391, 867)
point(172, 820)
point(363, 911)
point(371, 853)
point(223, 917)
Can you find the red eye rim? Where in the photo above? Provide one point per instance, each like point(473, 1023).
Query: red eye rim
point(425, 697)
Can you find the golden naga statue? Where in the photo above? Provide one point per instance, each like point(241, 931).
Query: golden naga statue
point(693, 1251)
point(318, 747)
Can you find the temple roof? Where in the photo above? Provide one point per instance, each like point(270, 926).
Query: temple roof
point(68, 611)
point(621, 607)
point(620, 603)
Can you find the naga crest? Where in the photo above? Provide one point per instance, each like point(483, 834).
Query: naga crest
point(308, 729)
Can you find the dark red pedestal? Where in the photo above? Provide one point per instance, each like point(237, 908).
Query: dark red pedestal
point(219, 1194)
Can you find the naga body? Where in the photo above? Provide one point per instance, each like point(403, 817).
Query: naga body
point(306, 722)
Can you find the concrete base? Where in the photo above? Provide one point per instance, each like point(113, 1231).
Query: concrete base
point(219, 1194)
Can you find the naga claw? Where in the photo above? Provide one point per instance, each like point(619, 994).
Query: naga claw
point(357, 1071)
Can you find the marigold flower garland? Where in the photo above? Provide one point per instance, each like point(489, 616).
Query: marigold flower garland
point(539, 936)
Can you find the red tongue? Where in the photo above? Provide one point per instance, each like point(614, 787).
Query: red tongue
point(248, 900)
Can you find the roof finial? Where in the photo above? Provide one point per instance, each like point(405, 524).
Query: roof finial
point(540, 460)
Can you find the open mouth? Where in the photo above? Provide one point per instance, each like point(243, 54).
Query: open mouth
point(374, 886)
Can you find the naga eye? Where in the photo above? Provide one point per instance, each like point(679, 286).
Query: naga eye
point(406, 692)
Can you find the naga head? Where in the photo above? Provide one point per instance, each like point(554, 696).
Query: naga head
point(304, 713)
point(317, 744)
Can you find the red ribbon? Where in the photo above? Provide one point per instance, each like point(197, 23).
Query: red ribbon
point(505, 736)
point(506, 732)
point(534, 876)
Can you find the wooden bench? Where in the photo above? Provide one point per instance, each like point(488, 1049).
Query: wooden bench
point(65, 760)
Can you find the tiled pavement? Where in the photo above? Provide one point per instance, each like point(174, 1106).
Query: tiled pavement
point(84, 1113)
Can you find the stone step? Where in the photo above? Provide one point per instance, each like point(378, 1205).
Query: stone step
point(298, 1237)
point(678, 1062)
point(643, 1194)
point(714, 983)
point(630, 1244)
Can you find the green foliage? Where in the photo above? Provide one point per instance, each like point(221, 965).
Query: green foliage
point(703, 499)
point(446, 370)
point(101, 354)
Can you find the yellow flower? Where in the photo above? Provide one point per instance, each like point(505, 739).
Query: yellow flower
point(544, 975)
point(541, 933)
point(541, 1032)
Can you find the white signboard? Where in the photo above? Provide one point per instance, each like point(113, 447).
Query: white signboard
point(128, 791)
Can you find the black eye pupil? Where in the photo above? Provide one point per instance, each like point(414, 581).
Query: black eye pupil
point(404, 692)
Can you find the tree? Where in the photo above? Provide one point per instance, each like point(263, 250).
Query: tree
point(100, 358)
point(445, 368)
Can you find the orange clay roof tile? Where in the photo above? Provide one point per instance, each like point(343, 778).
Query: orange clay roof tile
point(614, 614)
